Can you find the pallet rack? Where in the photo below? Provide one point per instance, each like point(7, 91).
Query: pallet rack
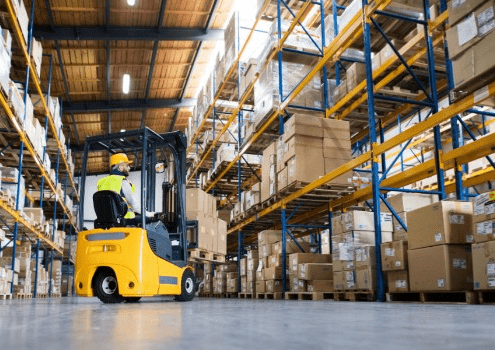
point(39, 175)
point(370, 144)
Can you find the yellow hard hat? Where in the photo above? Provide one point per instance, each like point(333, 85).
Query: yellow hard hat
point(119, 158)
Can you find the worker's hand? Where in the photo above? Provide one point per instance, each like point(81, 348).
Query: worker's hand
point(150, 214)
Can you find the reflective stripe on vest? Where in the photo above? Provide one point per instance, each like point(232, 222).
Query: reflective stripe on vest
point(114, 183)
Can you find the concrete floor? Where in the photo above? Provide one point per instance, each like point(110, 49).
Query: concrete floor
point(82, 323)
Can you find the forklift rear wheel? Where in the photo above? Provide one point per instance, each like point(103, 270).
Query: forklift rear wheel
point(132, 299)
point(107, 288)
point(188, 287)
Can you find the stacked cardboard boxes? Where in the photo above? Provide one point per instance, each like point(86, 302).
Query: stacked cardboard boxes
point(43, 278)
point(471, 41)
point(22, 276)
point(56, 276)
point(439, 247)
point(353, 244)
point(484, 236)
point(252, 264)
point(219, 280)
point(394, 254)
point(212, 231)
point(310, 272)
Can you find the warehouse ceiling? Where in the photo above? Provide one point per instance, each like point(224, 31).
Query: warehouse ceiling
point(164, 45)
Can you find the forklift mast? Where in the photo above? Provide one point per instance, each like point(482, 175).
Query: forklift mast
point(145, 144)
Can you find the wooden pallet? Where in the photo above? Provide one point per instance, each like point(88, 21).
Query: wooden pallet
point(309, 295)
point(23, 295)
point(271, 296)
point(361, 295)
point(202, 255)
point(56, 295)
point(247, 296)
point(5, 296)
point(486, 296)
point(464, 297)
point(41, 295)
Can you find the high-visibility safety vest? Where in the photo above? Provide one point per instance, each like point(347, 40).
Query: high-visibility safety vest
point(114, 183)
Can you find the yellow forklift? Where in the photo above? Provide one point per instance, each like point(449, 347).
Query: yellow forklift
point(126, 259)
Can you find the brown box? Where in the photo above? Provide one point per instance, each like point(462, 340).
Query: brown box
point(394, 255)
point(484, 265)
point(364, 257)
point(306, 167)
point(447, 222)
point(266, 250)
point(350, 280)
point(459, 9)
point(332, 164)
point(342, 144)
point(252, 254)
point(282, 179)
point(273, 286)
point(232, 286)
point(232, 275)
point(303, 125)
point(355, 74)
point(301, 258)
point(252, 264)
point(440, 268)
point(398, 281)
point(336, 129)
point(273, 273)
point(269, 237)
point(243, 266)
point(366, 278)
point(387, 52)
point(269, 154)
point(301, 286)
point(260, 287)
point(340, 91)
point(408, 201)
point(290, 247)
point(277, 261)
point(315, 271)
point(300, 145)
point(484, 231)
point(339, 281)
point(320, 285)
point(251, 276)
point(399, 233)
point(260, 275)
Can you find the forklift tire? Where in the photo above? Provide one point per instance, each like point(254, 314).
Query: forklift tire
point(132, 299)
point(188, 287)
point(107, 288)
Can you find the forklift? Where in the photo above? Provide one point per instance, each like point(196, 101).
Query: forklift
point(126, 259)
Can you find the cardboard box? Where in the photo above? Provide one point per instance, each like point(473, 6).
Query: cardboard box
point(243, 266)
point(273, 273)
point(484, 231)
point(315, 271)
point(260, 275)
point(336, 129)
point(366, 278)
point(301, 258)
point(364, 257)
point(260, 287)
point(266, 250)
point(403, 202)
point(355, 74)
point(398, 281)
point(291, 247)
point(362, 221)
point(350, 280)
point(320, 285)
point(441, 268)
point(458, 9)
point(277, 261)
point(399, 233)
point(447, 222)
point(340, 91)
point(269, 154)
point(282, 179)
point(273, 286)
point(300, 145)
point(329, 144)
point(471, 29)
point(269, 237)
point(252, 254)
point(303, 125)
point(252, 264)
point(387, 52)
point(332, 164)
point(484, 204)
point(484, 265)
point(306, 167)
point(339, 281)
point(394, 255)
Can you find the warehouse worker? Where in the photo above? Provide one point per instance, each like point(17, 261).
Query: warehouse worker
point(117, 181)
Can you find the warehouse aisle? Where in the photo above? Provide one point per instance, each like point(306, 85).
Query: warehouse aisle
point(242, 324)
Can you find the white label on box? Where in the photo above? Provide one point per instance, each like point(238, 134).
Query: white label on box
point(488, 227)
point(487, 27)
point(303, 274)
point(349, 275)
point(485, 16)
point(467, 30)
point(401, 284)
point(438, 237)
point(311, 288)
point(389, 252)
point(350, 284)
point(490, 208)
point(349, 264)
point(480, 228)
point(490, 269)
point(456, 219)
point(480, 95)
point(303, 268)
point(294, 266)
point(457, 3)
point(469, 238)
point(491, 282)
point(459, 264)
point(398, 263)
point(440, 283)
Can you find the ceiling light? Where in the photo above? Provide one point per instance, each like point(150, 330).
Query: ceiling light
point(122, 130)
point(126, 81)
point(131, 2)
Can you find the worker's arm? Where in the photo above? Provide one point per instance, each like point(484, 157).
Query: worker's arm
point(132, 200)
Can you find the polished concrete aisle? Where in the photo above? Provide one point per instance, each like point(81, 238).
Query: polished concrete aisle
point(80, 323)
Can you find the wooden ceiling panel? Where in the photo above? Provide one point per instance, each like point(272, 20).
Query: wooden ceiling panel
point(143, 14)
point(192, 14)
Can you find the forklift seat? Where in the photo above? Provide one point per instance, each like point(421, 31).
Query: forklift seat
point(110, 209)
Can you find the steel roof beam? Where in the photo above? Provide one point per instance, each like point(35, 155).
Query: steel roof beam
point(126, 33)
point(121, 105)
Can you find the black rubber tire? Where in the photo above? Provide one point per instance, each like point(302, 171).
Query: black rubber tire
point(132, 299)
point(188, 286)
point(107, 288)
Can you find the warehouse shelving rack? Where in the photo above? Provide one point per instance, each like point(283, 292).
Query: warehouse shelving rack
point(373, 136)
point(22, 227)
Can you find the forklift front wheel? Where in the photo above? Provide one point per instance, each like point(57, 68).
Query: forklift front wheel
point(188, 287)
point(107, 288)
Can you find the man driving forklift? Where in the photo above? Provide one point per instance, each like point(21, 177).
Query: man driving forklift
point(118, 182)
